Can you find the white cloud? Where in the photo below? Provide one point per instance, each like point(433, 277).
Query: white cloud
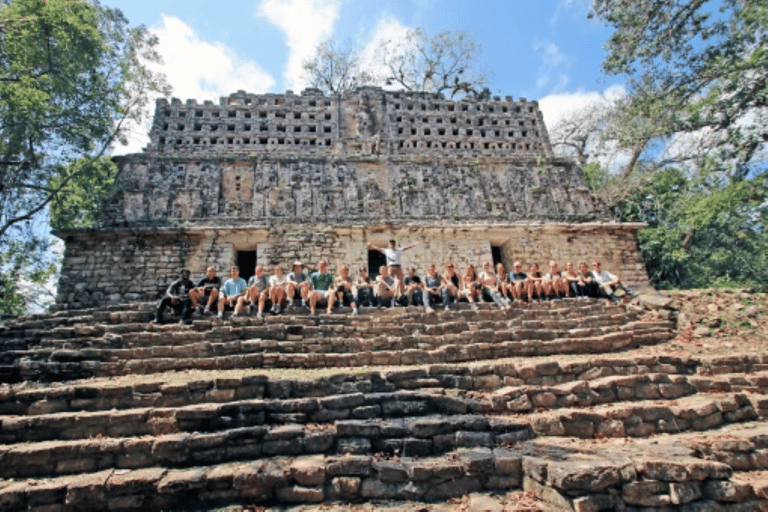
point(305, 23)
point(579, 9)
point(198, 69)
point(554, 107)
point(554, 66)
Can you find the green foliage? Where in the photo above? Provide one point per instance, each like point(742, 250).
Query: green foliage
point(72, 75)
point(27, 269)
point(79, 203)
point(692, 68)
point(701, 232)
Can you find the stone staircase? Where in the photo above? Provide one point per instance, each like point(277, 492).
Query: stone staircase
point(429, 408)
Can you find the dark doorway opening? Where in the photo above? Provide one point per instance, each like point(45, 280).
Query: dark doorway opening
point(496, 254)
point(246, 260)
point(375, 260)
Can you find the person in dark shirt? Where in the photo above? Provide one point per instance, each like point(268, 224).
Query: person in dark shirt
point(412, 289)
point(206, 293)
point(518, 281)
point(364, 289)
point(177, 297)
point(450, 286)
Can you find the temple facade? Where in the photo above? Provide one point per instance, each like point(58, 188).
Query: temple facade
point(274, 178)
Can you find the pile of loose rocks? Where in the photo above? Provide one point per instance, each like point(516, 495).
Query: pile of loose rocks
point(543, 399)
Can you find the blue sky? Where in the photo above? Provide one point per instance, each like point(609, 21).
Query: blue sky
point(546, 50)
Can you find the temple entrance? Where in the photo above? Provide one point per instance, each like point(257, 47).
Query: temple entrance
point(246, 260)
point(375, 260)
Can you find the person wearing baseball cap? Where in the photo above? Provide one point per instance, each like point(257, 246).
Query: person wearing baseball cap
point(298, 284)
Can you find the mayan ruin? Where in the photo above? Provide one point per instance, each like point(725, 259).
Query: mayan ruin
point(578, 403)
point(272, 178)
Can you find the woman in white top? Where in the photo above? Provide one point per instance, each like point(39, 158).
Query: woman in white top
point(278, 284)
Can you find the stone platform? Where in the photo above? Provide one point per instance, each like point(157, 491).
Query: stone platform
point(103, 411)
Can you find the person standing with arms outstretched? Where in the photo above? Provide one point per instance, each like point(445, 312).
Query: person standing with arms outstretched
point(394, 257)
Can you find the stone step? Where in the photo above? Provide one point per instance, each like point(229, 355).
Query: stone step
point(407, 437)
point(215, 434)
point(650, 418)
point(176, 389)
point(565, 473)
point(252, 355)
point(657, 474)
point(308, 479)
point(622, 388)
point(208, 417)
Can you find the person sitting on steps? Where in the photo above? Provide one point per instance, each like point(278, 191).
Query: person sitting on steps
point(519, 282)
point(609, 282)
point(364, 289)
point(322, 288)
point(177, 297)
point(258, 291)
point(431, 293)
point(491, 287)
point(344, 287)
point(206, 293)
point(387, 287)
point(298, 284)
point(278, 288)
point(234, 288)
point(412, 289)
point(451, 286)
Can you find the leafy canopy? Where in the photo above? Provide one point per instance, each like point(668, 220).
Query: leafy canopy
point(695, 66)
point(73, 76)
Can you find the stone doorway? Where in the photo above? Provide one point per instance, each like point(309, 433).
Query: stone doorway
point(375, 260)
point(246, 260)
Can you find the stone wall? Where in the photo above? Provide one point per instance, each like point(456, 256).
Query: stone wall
point(120, 267)
point(185, 191)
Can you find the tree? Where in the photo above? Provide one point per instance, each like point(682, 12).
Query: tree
point(73, 75)
point(79, 203)
point(335, 68)
point(693, 71)
point(445, 62)
point(701, 232)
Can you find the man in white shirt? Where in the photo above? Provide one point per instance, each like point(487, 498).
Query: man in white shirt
point(394, 257)
point(609, 282)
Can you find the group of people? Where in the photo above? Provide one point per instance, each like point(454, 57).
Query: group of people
point(391, 288)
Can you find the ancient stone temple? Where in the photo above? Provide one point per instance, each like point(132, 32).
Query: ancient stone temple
point(277, 177)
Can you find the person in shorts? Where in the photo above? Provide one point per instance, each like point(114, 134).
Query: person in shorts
point(278, 289)
point(609, 283)
point(234, 288)
point(518, 281)
point(394, 256)
point(298, 284)
point(322, 288)
point(206, 292)
point(345, 287)
point(258, 292)
point(387, 287)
